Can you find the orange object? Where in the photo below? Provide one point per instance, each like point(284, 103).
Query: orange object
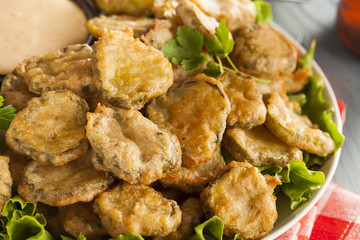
point(348, 24)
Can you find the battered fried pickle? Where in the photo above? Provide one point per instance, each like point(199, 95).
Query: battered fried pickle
point(51, 129)
point(243, 198)
point(259, 147)
point(193, 17)
point(236, 12)
point(164, 30)
point(53, 218)
point(16, 167)
point(139, 26)
point(166, 9)
point(5, 181)
point(195, 179)
point(14, 90)
point(76, 181)
point(139, 209)
point(68, 68)
point(131, 73)
point(195, 110)
point(262, 51)
point(291, 128)
point(131, 146)
point(247, 108)
point(296, 81)
point(131, 7)
point(80, 218)
point(191, 217)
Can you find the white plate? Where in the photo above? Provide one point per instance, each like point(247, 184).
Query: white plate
point(287, 218)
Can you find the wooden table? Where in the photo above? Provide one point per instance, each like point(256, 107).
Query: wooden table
point(317, 20)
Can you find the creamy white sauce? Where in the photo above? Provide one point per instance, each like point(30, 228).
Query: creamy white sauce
point(35, 27)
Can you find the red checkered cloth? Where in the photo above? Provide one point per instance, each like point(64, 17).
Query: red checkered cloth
point(335, 217)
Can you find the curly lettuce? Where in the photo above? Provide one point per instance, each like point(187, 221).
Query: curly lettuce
point(263, 12)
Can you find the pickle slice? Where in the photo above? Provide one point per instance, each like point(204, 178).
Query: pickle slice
point(5, 180)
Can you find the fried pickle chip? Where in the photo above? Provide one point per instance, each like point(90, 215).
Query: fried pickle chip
point(53, 218)
point(139, 209)
point(51, 129)
point(131, 7)
point(259, 147)
point(191, 217)
point(193, 180)
point(262, 51)
point(76, 181)
point(16, 166)
point(69, 68)
point(164, 30)
point(131, 146)
point(14, 90)
point(166, 9)
point(80, 218)
point(243, 198)
point(192, 16)
point(295, 82)
point(235, 12)
point(247, 108)
point(195, 110)
point(5, 181)
point(139, 26)
point(131, 73)
point(291, 128)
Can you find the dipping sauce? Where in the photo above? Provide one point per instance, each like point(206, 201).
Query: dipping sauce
point(36, 27)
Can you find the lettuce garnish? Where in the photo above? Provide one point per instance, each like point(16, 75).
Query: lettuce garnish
point(7, 114)
point(263, 12)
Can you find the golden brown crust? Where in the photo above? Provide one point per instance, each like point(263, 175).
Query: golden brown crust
point(69, 68)
point(259, 147)
point(195, 179)
point(291, 128)
point(243, 199)
point(74, 182)
point(14, 90)
point(5, 181)
point(195, 110)
point(51, 129)
point(131, 7)
point(247, 108)
point(164, 30)
point(262, 51)
point(139, 26)
point(80, 218)
point(139, 209)
point(191, 217)
point(130, 72)
point(131, 146)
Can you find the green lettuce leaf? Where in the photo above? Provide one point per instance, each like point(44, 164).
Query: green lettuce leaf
point(263, 12)
point(320, 111)
point(80, 237)
point(302, 182)
point(306, 60)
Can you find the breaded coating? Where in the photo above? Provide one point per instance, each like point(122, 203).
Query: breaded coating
point(192, 16)
point(169, 193)
point(243, 198)
point(276, 84)
point(76, 181)
point(51, 129)
point(262, 51)
point(131, 7)
point(69, 68)
point(80, 218)
point(259, 147)
point(131, 146)
point(295, 82)
point(194, 180)
point(164, 30)
point(235, 12)
point(291, 128)
point(131, 73)
point(165, 9)
point(195, 110)
point(139, 26)
point(247, 108)
point(191, 217)
point(139, 209)
point(5, 181)
point(14, 90)
point(16, 166)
